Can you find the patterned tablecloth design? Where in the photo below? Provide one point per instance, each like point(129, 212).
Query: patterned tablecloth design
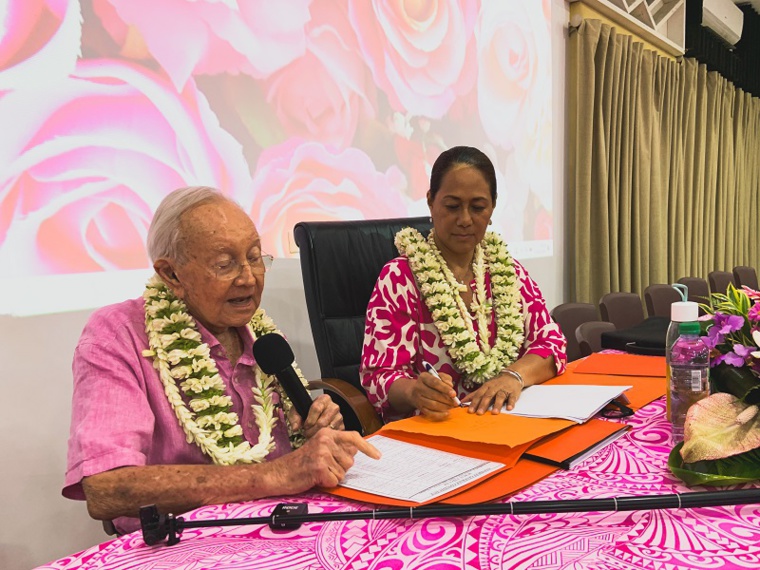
point(715, 537)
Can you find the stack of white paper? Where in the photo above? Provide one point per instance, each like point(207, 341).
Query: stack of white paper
point(576, 402)
point(413, 472)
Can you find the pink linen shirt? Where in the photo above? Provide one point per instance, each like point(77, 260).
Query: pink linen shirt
point(400, 333)
point(120, 414)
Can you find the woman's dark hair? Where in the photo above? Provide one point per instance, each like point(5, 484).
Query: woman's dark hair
point(468, 155)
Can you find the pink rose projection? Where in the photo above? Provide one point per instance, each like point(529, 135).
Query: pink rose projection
point(86, 165)
point(38, 40)
point(302, 181)
point(302, 110)
point(421, 53)
point(211, 36)
point(324, 94)
point(514, 63)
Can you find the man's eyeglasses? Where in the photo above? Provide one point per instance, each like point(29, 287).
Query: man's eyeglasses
point(232, 269)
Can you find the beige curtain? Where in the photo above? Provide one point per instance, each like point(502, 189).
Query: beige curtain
point(663, 167)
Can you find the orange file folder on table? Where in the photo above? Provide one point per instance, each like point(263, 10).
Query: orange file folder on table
point(518, 472)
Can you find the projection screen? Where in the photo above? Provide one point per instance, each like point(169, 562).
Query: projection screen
point(298, 109)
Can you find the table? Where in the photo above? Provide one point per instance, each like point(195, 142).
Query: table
point(710, 537)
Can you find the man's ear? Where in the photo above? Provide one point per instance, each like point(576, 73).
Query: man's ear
point(165, 270)
point(429, 200)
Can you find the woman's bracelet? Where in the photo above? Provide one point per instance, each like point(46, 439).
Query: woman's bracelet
point(517, 376)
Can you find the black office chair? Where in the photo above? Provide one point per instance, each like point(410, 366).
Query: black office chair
point(658, 298)
point(569, 316)
point(745, 276)
point(340, 263)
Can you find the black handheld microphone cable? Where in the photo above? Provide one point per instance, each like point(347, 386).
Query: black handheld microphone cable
point(275, 357)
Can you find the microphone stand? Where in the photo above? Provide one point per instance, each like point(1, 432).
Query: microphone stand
point(156, 527)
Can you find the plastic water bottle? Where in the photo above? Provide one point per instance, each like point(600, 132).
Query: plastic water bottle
point(680, 312)
point(688, 375)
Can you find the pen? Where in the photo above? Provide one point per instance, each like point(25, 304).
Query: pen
point(434, 372)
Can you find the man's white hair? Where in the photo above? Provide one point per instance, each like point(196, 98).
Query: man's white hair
point(164, 239)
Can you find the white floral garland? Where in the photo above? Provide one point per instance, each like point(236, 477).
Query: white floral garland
point(471, 353)
point(180, 355)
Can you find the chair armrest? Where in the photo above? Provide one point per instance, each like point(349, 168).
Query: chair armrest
point(358, 413)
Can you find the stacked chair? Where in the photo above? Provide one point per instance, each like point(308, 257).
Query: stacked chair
point(589, 336)
point(569, 316)
point(658, 298)
point(745, 276)
point(622, 309)
point(720, 280)
point(699, 290)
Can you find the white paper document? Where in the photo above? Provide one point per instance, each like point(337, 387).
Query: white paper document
point(413, 472)
point(576, 402)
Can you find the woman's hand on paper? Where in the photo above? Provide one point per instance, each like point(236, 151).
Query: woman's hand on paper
point(498, 392)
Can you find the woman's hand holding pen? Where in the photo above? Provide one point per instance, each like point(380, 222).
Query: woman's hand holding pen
point(433, 394)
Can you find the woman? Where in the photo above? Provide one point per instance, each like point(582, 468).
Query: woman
point(457, 301)
point(169, 406)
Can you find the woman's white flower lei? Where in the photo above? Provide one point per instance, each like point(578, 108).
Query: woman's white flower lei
point(472, 356)
point(179, 355)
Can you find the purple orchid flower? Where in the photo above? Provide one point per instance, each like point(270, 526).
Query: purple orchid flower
point(733, 359)
point(713, 338)
point(743, 351)
point(754, 313)
point(727, 323)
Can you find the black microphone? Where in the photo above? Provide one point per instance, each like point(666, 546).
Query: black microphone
point(275, 357)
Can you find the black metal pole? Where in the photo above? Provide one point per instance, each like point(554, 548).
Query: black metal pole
point(156, 527)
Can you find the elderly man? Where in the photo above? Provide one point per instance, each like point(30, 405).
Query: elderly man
point(180, 415)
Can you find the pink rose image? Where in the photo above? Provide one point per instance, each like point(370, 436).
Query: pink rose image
point(416, 156)
point(304, 181)
point(421, 53)
point(323, 94)
point(515, 66)
point(39, 41)
point(88, 161)
point(211, 36)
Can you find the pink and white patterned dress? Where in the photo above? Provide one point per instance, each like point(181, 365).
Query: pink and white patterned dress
point(400, 333)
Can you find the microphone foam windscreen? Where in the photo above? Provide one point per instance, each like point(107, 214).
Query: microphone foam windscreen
point(272, 353)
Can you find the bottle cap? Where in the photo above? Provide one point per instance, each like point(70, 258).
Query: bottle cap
point(691, 327)
point(684, 311)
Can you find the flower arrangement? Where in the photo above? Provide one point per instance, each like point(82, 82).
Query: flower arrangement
point(722, 432)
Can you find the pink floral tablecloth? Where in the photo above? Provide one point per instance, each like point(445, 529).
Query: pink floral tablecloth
point(714, 537)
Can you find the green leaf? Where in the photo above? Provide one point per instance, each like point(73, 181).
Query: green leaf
point(739, 381)
point(730, 471)
point(182, 344)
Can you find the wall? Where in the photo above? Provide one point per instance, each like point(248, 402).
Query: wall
point(37, 524)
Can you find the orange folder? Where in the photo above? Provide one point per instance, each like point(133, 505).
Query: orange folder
point(497, 429)
point(518, 473)
point(503, 483)
point(622, 364)
point(563, 448)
